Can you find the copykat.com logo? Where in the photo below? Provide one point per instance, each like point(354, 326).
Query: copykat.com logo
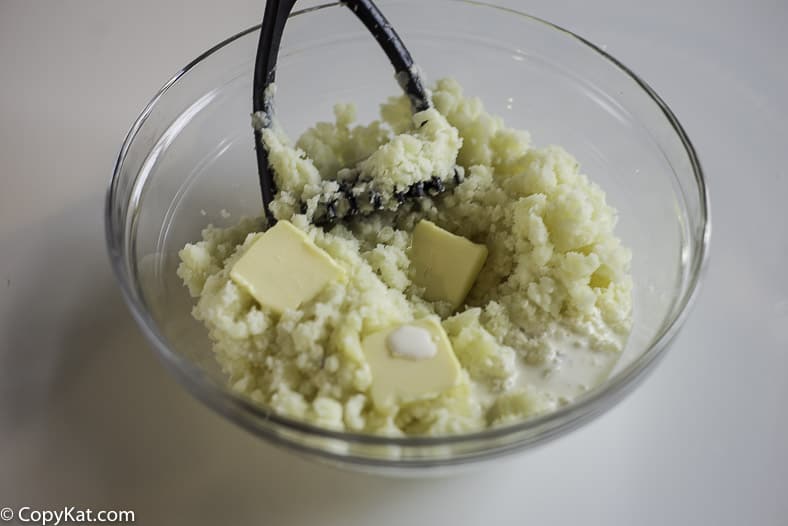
point(66, 515)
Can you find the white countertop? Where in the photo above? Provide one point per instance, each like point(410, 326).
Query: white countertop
point(89, 418)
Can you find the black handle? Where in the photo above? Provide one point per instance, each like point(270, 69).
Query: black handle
point(395, 50)
point(274, 19)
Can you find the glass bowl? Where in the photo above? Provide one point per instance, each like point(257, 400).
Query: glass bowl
point(189, 161)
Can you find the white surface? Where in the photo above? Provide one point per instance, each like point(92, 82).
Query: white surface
point(88, 417)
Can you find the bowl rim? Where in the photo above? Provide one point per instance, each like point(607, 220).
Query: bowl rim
point(247, 414)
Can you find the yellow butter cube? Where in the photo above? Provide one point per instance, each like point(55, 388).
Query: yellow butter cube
point(400, 376)
point(283, 268)
point(446, 265)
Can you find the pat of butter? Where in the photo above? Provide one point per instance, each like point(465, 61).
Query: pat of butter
point(283, 268)
point(446, 265)
point(398, 379)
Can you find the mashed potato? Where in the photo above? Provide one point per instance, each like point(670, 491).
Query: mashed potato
point(554, 296)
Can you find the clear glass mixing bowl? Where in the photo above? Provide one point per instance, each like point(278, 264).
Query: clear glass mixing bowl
point(189, 161)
